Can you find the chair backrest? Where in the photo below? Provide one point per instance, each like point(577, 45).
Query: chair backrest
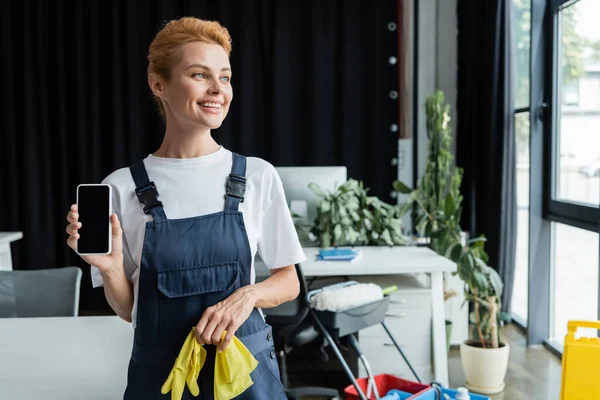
point(40, 293)
point(286, 317)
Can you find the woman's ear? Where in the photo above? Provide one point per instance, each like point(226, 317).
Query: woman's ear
point(156, 85)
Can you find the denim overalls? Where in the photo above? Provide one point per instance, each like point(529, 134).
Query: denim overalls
point(188, 265)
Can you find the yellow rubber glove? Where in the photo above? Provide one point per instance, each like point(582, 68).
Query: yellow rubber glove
point(232, 370)
point(186, 369)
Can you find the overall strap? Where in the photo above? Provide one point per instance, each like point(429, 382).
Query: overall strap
point(146, 191)
point(236, 183)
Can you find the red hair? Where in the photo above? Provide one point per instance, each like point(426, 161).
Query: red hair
point(165, 49)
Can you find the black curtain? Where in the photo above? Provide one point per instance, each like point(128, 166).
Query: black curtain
point(485, 126)
point(311, 86)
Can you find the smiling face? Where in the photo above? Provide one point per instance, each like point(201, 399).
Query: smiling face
point(198, 92)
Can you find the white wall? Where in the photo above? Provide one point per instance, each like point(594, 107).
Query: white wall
point(437, 63)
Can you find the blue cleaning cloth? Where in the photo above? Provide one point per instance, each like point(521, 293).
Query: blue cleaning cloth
point(395, 394)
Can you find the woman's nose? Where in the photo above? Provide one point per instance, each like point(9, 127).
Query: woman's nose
point(215, 88)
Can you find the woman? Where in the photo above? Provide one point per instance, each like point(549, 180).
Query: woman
point(185, 259)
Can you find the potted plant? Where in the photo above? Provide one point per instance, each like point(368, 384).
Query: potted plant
point(349, 216)
point(440, 183)
point(437, 204)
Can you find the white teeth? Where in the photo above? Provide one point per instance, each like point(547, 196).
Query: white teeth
point(212, 105)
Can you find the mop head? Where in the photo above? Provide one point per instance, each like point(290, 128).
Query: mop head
point(347, 297)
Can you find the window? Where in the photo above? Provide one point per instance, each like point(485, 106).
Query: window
point(521, 44)
point(521, 280)
point(577, 155)
point(564, 201)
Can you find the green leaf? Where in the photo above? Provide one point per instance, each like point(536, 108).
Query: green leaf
point(326, 240)
point(439, 233)
point(325, 206)
point(466, 268)
point(495, 280)
point(454, 252)
point(385, 236)
point(368, 214)
point(422, 225)
point(316, 189)
point(449, 206)
point(337, 234)
point(480, 281)
point(401, 187)
point(352, 236)
point(477, 242)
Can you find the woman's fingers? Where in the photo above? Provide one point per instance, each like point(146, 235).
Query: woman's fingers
point(117, 235)
point(73, 227)
point(211, 326)
point(217, 335)
point(228, 337)
point(72, 242)
point(207, 333)
point(200, 327)
point(73, 214)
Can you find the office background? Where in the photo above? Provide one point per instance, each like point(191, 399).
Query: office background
point(311, 80)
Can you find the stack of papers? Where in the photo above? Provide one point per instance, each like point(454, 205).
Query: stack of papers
point(338, 254)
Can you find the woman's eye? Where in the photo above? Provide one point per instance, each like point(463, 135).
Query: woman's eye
point(200, 75)
point(225, 79)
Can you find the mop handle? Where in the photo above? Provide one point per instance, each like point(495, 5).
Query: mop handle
point(371, 384)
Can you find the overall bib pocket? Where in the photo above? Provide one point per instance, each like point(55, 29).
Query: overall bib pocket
point(186, 291)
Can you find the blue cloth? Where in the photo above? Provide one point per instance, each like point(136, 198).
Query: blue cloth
point(396, 394)
point(188, 265)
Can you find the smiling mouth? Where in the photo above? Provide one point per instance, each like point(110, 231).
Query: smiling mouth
point(211, 105)
point(211, 108)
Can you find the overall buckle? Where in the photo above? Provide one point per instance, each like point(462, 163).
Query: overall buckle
point(236, 186)
point(148, 195)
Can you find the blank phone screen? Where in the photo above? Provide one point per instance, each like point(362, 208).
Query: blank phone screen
point(93, 203)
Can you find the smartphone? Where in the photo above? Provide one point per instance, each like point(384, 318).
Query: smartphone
point(94, 206)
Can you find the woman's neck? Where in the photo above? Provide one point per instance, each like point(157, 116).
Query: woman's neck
point(178, 144)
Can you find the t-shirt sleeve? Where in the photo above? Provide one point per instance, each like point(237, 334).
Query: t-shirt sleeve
point(279, 245)
point(128, 263)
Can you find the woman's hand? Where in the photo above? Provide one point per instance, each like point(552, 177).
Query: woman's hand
point(105, 263)
point(227, 315)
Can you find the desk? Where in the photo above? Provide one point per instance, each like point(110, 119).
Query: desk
point(5, 256)
point(64, 358)
point(380, 260)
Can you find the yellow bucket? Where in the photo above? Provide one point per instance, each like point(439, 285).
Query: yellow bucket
point(580, 364)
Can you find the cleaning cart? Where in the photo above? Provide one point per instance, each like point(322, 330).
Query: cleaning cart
point(345, 324)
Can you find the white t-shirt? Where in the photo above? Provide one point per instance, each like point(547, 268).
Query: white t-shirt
point(196, 186)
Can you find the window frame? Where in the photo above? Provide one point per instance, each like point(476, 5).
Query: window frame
point(544, 209)
point(565, 212)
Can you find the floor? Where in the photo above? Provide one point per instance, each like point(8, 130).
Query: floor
point(533, 373)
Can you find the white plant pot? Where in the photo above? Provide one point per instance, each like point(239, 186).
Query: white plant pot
point(484, 369)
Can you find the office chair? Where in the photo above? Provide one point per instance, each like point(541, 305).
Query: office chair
point(40, 293)
point(293, 327)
